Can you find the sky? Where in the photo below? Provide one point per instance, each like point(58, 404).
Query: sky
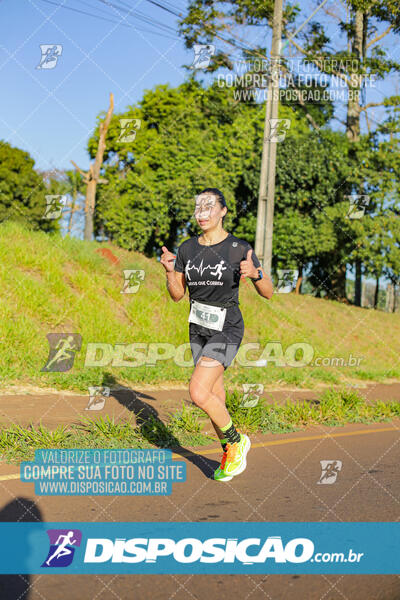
point(52, 112)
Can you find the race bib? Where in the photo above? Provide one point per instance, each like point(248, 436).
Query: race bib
point(212, 317)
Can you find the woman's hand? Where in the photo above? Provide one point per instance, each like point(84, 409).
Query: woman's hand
point(247, 268)
point(167, 259)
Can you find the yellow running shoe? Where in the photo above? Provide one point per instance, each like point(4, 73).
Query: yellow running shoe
point(219, 474)
point(235, 462)
point(234, 459)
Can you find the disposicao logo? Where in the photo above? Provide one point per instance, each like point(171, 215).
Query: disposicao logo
point(190, 550)
point(62, 547)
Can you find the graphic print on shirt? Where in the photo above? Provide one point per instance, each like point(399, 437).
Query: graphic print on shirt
point(219, 267)
point(212, 273)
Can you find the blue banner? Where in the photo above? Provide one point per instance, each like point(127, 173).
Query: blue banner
point(127, 472)
point(207, 548)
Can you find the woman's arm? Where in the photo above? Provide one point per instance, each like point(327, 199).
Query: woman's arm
point(176, 283)
point(264, 286)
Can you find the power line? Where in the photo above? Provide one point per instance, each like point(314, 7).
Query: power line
point(82, 12)
point(139, 15)
point(93, 7)
point(122, 22)
point(163, 6)
point(148, 20)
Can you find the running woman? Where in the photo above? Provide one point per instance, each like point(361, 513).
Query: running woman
point(211, 265)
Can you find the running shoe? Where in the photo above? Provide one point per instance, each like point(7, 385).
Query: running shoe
point(219, 474)
point(234, 459)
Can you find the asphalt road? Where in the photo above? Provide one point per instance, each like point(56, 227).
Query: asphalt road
point(280, 484)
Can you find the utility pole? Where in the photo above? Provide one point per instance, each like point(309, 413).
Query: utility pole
point(266, 192)
point(265, 208)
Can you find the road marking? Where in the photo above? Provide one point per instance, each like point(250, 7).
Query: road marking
point(300, 439)
point(12, 476)
point(262, 444)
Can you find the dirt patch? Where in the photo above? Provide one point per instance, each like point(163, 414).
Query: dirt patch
point(62, 408)
point(54, 407)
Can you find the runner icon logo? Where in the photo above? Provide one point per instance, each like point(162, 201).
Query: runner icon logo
point(54, 206)
point(202, 55)
point(129, 128)
point(286, 278)
point(330, 470)
point(133, 277)
point(357, 206)
point(251, 394)
point(50, 55)
point(97, 397)
point(62, 351)
point(62, 547)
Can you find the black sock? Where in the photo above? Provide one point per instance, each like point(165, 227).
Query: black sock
point(230, 433)
point(223, 441)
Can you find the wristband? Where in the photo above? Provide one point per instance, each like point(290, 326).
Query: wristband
point(260, 275)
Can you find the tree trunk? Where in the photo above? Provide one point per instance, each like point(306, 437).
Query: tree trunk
point(376, 293)
point(94, 173)
point(299, 279)
point(389, 298)
point(89, 208)
point(337, 289)
point(394, 298)
point(358, 284)
point(338, 283)
point(71, 214)
point(353, 104)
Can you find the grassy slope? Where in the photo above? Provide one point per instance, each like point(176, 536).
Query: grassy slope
point(51, 284)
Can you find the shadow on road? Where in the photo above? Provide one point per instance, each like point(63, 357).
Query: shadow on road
point(152, 427)
point(19, 510)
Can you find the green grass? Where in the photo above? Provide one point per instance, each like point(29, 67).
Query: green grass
point(183, 429)
point(334, 408)
point(52, 284)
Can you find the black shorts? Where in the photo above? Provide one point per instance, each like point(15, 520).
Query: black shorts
point(220, 345)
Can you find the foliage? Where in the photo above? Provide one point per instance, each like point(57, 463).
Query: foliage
point(22, 190)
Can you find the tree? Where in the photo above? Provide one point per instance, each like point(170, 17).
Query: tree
point(192, 137)
point(22, 190)
point(92, 177)
point(363, 58)
point(75, 188)
point(310, 215)
point(189, 138)
point(70, 184)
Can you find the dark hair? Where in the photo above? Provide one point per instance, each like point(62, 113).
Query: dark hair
point(219, 195)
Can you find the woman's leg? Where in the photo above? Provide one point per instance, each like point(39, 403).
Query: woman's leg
point(206, 375)
point(206, 391)
point(219, 390)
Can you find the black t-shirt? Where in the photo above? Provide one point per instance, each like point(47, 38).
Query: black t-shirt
point(212, 273)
